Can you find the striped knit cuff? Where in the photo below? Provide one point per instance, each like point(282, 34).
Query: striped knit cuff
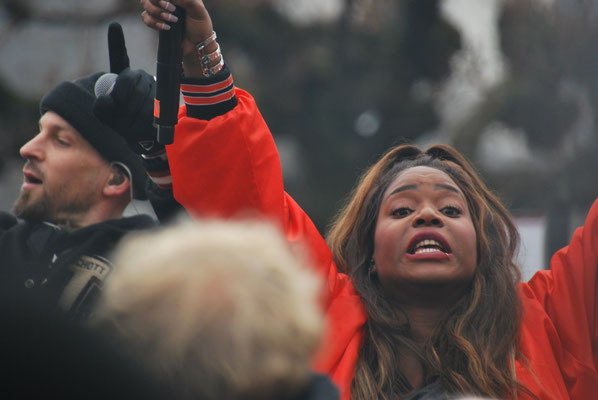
point(207, 98)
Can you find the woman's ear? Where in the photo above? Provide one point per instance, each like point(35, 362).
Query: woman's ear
point(372, 266)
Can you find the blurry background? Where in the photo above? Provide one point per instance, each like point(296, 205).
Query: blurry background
point(509, 83)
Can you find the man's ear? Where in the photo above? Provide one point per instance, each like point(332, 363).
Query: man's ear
point(118, 182)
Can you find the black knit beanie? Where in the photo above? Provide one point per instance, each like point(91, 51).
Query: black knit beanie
point(74, 102)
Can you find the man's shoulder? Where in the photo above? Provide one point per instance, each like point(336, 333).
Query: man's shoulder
point(134, 222)
point(115, 228)
point(7, 220)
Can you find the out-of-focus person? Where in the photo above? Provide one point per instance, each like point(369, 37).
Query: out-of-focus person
point(217, 310)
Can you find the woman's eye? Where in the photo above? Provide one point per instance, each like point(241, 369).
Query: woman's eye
point(401, 212)
point(451, 211)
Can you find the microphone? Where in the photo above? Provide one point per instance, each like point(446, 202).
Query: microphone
point(168, 78)
point(105, 84)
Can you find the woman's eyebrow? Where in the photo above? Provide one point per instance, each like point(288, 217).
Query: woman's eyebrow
point(403, 188)
point(440, 186)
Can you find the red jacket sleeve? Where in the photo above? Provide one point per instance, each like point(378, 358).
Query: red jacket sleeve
point(229, 167)
point(568, 294)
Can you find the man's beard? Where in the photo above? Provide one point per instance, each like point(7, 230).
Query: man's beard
point(48, 208)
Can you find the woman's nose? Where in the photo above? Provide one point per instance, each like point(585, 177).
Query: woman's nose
point(428, 216)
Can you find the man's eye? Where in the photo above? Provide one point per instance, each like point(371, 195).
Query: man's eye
point(451, 211)
point(62, 142)
point(401, 212)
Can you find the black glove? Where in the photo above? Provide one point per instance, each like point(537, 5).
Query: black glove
point(128, 107)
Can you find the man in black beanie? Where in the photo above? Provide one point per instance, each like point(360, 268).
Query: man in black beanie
point(79, 176)
point(79, 171)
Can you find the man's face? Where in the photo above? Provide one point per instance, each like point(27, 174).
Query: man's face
point(63, 175)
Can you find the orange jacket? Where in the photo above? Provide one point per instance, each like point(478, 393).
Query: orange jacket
point(229, 166)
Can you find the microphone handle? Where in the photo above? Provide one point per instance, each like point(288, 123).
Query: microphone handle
point(168, 78)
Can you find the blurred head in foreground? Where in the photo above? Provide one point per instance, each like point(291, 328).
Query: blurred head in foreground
point(220, 310)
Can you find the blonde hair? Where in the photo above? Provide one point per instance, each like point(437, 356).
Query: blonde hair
point(221, 310)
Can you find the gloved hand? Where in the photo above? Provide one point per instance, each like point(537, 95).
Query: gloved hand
point(128, 106)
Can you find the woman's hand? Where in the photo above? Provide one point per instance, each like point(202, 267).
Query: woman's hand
point(158, 14)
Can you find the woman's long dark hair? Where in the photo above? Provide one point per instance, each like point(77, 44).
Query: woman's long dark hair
point(474, 347)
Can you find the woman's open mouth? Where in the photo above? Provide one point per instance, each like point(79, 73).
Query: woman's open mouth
point(428, 245)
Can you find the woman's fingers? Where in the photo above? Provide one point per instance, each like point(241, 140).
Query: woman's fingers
point(195, 8)
point(157, 14)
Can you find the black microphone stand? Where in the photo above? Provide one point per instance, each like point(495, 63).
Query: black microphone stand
point(168, 78)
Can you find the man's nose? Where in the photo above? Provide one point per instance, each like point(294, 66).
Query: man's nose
point(33, 149)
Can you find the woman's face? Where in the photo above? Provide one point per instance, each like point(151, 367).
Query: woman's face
point(425, 242)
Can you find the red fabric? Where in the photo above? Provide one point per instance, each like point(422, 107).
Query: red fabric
point(229, 167)
point(559, 334)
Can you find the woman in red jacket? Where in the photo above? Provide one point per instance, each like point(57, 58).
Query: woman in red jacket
point(423, 298)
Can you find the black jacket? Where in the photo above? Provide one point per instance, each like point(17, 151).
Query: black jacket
point(58, 267)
